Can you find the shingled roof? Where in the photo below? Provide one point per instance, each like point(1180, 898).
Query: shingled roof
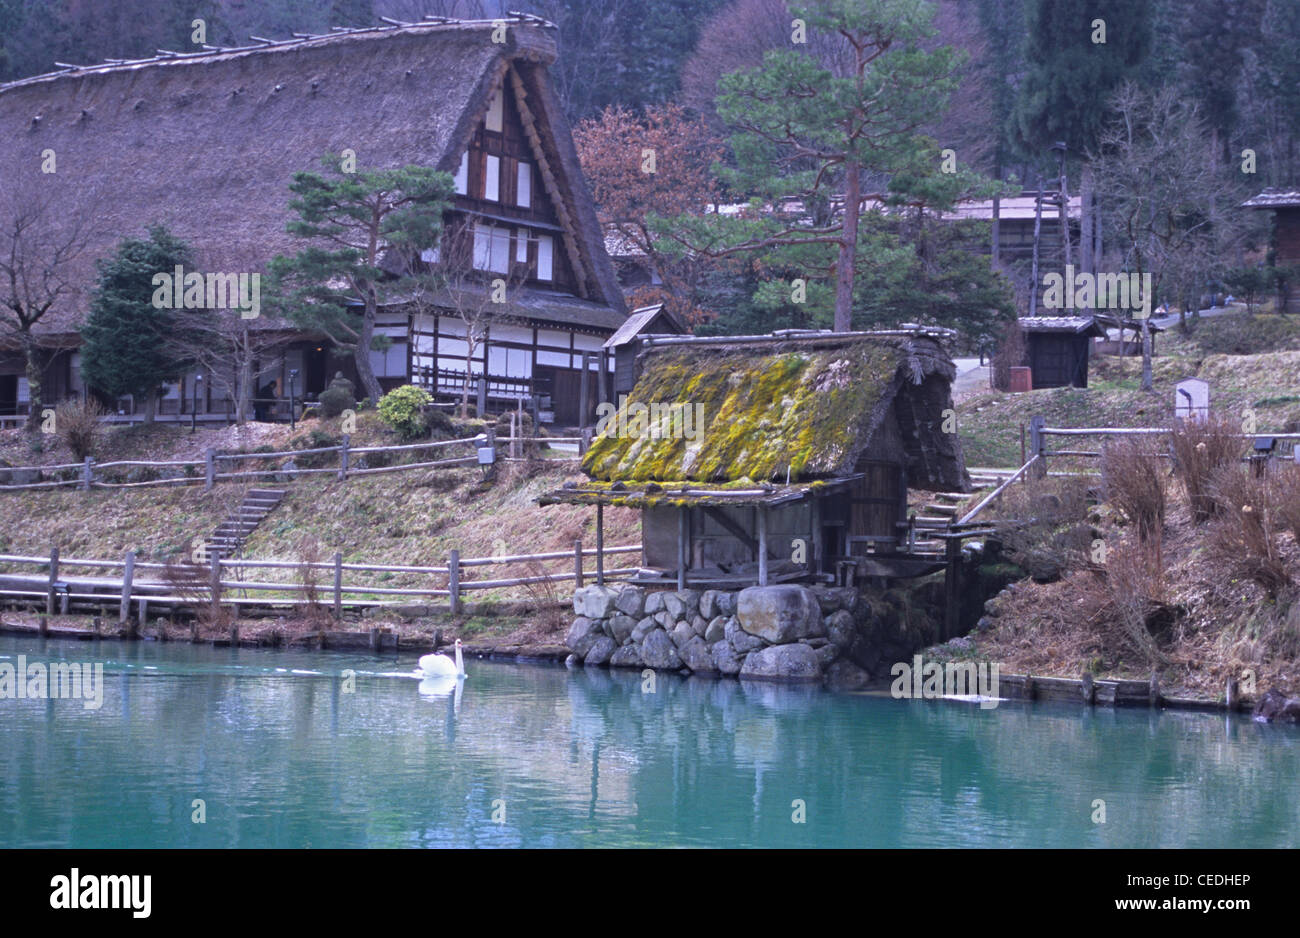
point(208, 143)
point(789, 409)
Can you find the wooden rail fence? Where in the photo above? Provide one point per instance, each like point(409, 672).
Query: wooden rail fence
point(210, 585)
point(208, 470)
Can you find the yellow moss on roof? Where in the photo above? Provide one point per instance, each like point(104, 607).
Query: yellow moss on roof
point(765, 412)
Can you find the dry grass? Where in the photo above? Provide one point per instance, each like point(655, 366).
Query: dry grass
point(1246, 534)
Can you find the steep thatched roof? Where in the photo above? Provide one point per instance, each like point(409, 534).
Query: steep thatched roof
point(208, 143)
point(788, 409)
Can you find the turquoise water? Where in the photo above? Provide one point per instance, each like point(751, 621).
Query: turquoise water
point(282, 755)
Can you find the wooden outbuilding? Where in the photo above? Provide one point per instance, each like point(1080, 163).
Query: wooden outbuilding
point(758, 459)
point(1285, 205)
point(1057, 349)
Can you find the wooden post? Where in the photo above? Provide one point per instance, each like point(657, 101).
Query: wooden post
point(214, 584)
point(143, 614)
point(1230, 695)
point(683, 534)
point(951, 589)
point(209, 468)
point(128, 574)
point(86, 473)
point(577, 564)
point(64, 598)
point(584, 442)
point(481, 397)
point(453, 580)
point(338, 583)
point(584, 382)
point(600, 545)
point(54, 575)
point(602, 389)
point(1153, 693)
point(815, 546)
point(762, 545)
point(343, 457)
point(1089, 692)
point(1038, 443)
point(515, 423)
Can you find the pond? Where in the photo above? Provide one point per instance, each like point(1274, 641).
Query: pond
point(271, 748)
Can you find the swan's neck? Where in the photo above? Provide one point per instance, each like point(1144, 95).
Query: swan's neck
point(460, 664)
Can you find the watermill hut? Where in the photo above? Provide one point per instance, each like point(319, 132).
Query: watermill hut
point(758, 459)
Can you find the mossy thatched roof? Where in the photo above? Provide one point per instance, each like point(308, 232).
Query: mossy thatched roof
point(779, 410)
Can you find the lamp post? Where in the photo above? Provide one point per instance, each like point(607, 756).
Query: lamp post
point(194, 406)
point(293, 421)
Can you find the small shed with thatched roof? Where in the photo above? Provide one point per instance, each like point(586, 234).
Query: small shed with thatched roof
point(757, 458)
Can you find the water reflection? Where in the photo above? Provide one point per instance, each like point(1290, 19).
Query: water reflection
point(284, 755)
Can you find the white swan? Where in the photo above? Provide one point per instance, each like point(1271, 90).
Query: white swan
point(442, 666)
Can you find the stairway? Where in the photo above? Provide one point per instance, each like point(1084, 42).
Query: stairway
point(231, 534)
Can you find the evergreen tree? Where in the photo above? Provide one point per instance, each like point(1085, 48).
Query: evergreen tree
point(368, 231)
point(126, 338)
point(1070, 75)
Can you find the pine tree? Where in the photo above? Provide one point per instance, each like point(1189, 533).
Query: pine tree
point(125, 340)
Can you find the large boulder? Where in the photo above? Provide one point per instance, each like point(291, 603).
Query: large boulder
point(681, 634)
point(602, 649)
point(779, 614)
point(700, 625)
point(582, 635)
point(657, 651)
point(845, 675)
point(793, 662)
point(595, 602)
point(695, 655)
point(620, 629)
point(629, 656)
point(835, 598)
point(1275, 705)
point(724, 657)
point(630, 602)
point(709, 603)
point(740, 640)
point(716, 630)
point(725, 604)
point(654, 602)
point(841, 629)
point(643, 628)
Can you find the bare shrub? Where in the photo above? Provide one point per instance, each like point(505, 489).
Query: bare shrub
point(1135, 585)
point(78, 425)
point(310, 553)
point(1244, 536)
point(1202, 448)
point(1287, 480)
point(544, 598)
point(193, 583)
point(1051, 522)
point(1135, 482)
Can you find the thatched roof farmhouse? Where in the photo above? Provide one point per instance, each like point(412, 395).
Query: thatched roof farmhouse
point(207, 143)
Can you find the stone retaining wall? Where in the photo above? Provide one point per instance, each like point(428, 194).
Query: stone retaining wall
point(785, 632)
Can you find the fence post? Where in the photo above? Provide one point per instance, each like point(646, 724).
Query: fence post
point(584, 383)
point(514, 435)
point(584, 443)
point(338, 582)
point(1038, 443)
point(343, 457)
point(600, 545)
point(85, 473)
point(577, 564)
point(54, 575)
point(481, 397)
point(214, 583)
point(453, 580)
point(209, 468)
point(128, 574)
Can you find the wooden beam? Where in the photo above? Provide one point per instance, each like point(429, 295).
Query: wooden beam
point(733, 528)
point(683, 536)
point(762, 546)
